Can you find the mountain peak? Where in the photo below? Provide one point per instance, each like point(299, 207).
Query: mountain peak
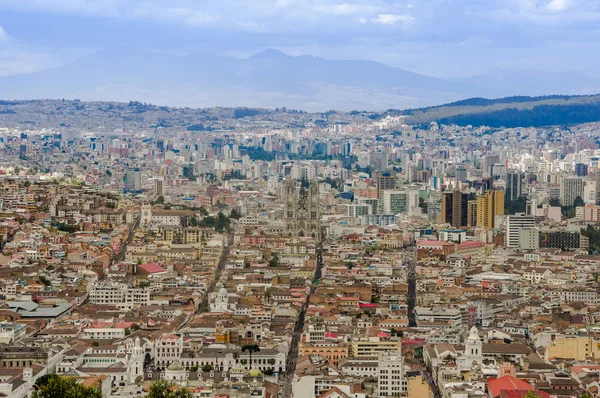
point(270, 53)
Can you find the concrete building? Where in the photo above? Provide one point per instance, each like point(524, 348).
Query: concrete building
point(514, 183)
point(390, 376)
point(570, 189)
point(489, 205)
point(529, 239)
point(515, 224)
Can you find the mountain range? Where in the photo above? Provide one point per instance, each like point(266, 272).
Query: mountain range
point(272, 79)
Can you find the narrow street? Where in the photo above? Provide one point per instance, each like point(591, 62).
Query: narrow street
point(412, 289)
point(285, 383)
point(121, 255)
point(204, 305)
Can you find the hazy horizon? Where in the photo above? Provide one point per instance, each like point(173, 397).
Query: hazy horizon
point(439, 38)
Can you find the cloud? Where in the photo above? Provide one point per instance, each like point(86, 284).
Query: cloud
point(3, 34)
point(338, 9)
point(558, 5)
point(391, 19)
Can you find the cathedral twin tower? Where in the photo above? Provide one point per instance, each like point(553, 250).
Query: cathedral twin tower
point(302, 210)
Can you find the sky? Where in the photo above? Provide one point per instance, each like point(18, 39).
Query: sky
point(442, 38)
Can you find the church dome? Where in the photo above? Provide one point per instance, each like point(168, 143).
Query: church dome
point(254, 372)
point(175, 366)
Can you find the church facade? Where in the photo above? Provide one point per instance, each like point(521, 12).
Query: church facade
point(302, 214)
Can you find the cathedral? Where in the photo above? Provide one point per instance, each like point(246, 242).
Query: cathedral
point(302, 210)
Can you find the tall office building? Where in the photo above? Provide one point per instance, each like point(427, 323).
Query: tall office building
point(514, 225)
point(598, 186)
point(356, 210)
point(472, 213)
point(379, 160)
point(461, 173)
point(489, 205)
point(514, 182)
point(385, 181)
point(395, 201)
point(372, 202)
point(455, 208)
point(581, 170)
point(570, 189)
point(488, 163)
point(132, 181)
point(160, 188)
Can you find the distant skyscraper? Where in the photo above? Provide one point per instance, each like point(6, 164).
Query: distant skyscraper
point(132, 181)
point(515, 224)
point(384, 181)
point(598, 186)
point(455, 208)
point(489, 205)
point(461, 173)
point(159, 186)
point(378, 160)
point(514, 181)
point(472, 213)
point(570, 189)
point(395, 201)
point(581, 170)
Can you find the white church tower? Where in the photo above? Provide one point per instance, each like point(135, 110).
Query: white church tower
point(146, 215)
point(473, 347)
point(136, 361)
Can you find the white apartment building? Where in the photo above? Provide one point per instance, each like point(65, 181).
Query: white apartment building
point(119, 295)
point(515, 224)
point(390, 376)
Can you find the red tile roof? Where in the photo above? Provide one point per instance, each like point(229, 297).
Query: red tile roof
point(151, 268)
point(507, 383)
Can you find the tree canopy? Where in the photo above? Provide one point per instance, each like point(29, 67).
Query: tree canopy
point(54, 386)
point(166, 389)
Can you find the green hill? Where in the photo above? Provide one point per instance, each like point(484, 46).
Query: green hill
point(508, 112)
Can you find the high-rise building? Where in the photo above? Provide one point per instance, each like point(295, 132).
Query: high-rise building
point(372, 202)
point(488, 163)
point(395, 201)
point(390, 375)
point(160, 188)
point(598, 186)
point(514, 182)
point(132, 181)
point(581, 169)
point(489, 205)
point(455, 208)
point(461, 173)
point(515, 224)
point(379, 160)
point(357, 210)
point(472, 213)
point(384, 181)
point(570, 188)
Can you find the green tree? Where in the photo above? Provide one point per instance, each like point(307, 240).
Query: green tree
point(207, 368)
point(578, 202)
point(54, 386)
point(234, 214)
point(167, 389)
point(160, 200)
point(250, 348)
point(274, 261)
point(530, 394)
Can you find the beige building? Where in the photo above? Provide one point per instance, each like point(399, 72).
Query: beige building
point(373, 346)
point(577, 347)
